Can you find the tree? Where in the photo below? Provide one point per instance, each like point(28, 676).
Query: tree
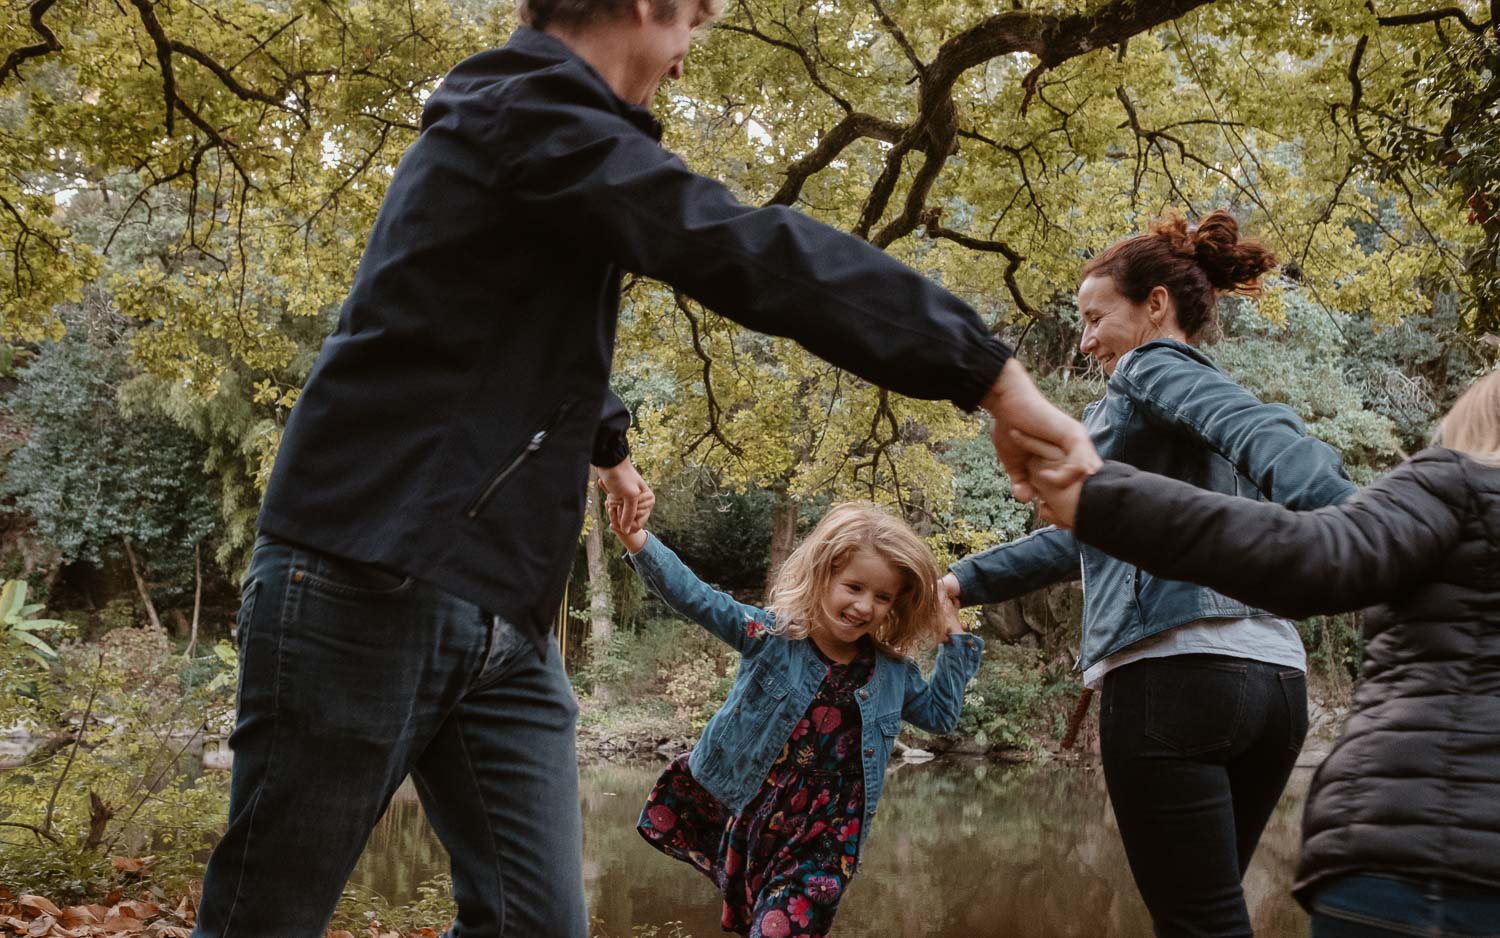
point(992, 150)
point(99, 480)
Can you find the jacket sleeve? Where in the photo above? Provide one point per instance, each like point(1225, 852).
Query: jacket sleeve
point(1044, 557)
point(934, 705)
point(1373, 548)
point(598, 183)
point(610, 446)
point(1267, 443)
point(741, 626)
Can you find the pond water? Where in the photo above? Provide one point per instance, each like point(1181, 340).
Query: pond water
point(961, 848)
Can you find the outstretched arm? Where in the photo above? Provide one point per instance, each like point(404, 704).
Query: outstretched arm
point(741, 626)
point(935, 704)
point(1267, 443)
point(1006, 571)
point(1373, 548)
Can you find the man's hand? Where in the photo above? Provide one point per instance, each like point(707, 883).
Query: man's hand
point(628, 499)
point(1015, 403)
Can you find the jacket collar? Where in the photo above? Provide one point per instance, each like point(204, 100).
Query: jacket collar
point(546, 48)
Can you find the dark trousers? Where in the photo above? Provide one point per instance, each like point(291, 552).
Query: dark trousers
point(1371, 906)
point(351, 678)
point(1196, 751)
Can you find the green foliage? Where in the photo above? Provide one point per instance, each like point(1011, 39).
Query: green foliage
point(18, 630)
point(1009, 701)
point(361, 909)
point(92, 475)
point(121, 721)
point(1334, 646)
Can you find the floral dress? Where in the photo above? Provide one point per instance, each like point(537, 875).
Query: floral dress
point(783, 862)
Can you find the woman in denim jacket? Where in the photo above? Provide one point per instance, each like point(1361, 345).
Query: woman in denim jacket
point(1204, 698)
point(774, 801)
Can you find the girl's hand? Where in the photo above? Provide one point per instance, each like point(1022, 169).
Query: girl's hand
point(633, 541)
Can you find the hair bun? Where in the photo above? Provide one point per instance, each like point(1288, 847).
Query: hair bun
point(1233, 265)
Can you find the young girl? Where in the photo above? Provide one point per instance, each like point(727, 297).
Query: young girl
point(774, 801)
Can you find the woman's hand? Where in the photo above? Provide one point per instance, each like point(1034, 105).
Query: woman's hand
point(948, 610)
point(948, 588)
point(1016, 404)
point(1058, 481)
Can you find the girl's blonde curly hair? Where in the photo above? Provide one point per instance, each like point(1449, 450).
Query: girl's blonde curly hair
point(797, 595)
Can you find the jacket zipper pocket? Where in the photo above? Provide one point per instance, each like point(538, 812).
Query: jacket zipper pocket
point(509, 469)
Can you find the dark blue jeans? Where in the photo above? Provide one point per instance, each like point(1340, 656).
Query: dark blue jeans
point(351, 678)
point(1372, 906)
point(1196, 751)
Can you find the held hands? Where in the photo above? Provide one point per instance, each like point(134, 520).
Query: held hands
point(1056, 480)
point(628, 501)
point(1016, 404)
point(948, 610)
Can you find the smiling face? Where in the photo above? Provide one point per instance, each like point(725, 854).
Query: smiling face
point(1113, 325)
point(859, 596)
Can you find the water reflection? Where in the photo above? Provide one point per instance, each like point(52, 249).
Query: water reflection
point(959, 849)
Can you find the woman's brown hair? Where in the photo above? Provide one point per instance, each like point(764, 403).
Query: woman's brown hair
point(1195, 263)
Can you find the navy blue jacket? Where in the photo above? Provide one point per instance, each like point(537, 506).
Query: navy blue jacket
point(1169, 409)
point(447, 426)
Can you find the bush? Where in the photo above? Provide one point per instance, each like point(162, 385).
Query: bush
point(117, 776)
point(1011, 699)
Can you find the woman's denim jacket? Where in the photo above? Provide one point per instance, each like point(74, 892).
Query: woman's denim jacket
point(778, 678)
point(1170, 410)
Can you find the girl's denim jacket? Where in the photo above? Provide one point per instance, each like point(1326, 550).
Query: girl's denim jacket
point(778, 678)
point(1170, 410)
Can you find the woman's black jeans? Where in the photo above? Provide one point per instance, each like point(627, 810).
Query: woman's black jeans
point(1197, 749)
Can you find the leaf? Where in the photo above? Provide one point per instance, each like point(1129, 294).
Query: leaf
point(76, 915)
point(39, 904)
point(36, 643)
point(12, 597)
point(132, 864)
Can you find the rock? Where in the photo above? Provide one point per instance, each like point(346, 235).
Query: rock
point(217, 758)
point(1005, 620)
point(911, 754)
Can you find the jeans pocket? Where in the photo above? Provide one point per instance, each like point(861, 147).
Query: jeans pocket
point(1294, 691)
point(351, 578)
point(246, 613)
point(1195, 707)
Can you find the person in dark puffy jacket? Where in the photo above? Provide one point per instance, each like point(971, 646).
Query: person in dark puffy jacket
point(1401, 834)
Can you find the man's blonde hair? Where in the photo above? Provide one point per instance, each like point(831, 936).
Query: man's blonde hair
point(1472, 426)
point(803, 580)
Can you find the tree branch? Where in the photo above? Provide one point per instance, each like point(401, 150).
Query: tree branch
point(1430, 16)
point(932, 224)
point(48, 44)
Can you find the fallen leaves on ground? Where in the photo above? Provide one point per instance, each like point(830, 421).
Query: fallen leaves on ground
point(38, 917)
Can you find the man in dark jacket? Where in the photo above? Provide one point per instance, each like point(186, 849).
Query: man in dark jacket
point(426, 501)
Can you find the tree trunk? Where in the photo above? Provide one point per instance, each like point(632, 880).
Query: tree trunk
point(197, 599)
point(601, 625)
point(140, 585)
point(783, 535)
